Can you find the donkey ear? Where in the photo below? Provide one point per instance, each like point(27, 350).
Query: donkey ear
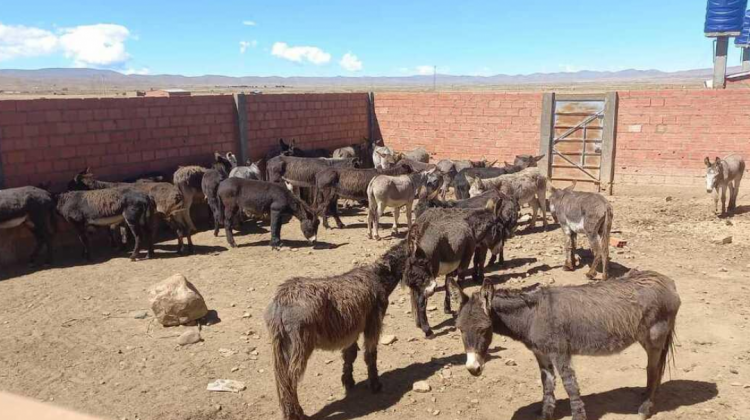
point(717, 160)
point(707, 161)
point(457, 293)
point(538, 158)
point(571, 187)
point(487, 292)
point(490, 205)
point(492, 164)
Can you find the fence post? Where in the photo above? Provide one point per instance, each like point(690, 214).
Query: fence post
point(371, 116)
point(545, 132)
point(609, 143)
point(240, 106)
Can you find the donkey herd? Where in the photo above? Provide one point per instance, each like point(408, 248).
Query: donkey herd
point(448, 238)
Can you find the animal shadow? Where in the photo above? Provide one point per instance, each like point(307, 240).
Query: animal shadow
point(291, 244)
point(170, 251)
point(739, 210)
point(671, 395)
point(396, 383)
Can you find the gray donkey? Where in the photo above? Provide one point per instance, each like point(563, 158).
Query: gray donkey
point(528, 186)
point(397, 191)
point(583, 213)
point(723, 173)
point(556, 323)
point(330, 313)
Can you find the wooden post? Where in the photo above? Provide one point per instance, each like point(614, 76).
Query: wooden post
point(240, 106)
point(720, 62)
point(371, 116)
point(546, 132)
point(746, 59)
point(609, 143)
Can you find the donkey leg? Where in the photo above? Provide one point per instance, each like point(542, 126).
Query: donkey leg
point(372, 336)
point(422, 315)
point(409, 210)
point(396, 214)
point(334, 209)
point(137, 231)
point(83, 237)
point(570, 251)
point(595, 243)
point(730, 185)
point(548, 385)
point(736, 192)
point(349, 355)
point(275, 229)
point(299, 355)
point(534, 209)
point(229, 212)
point(40, 240)
point(724, 199)
point(657, 345)
point(562, 363)
point(447, 300)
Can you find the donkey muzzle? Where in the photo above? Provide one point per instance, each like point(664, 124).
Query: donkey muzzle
point(473, 364)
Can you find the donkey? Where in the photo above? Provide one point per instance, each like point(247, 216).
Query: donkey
point(330, 313)
point(109, 207)
point(528, 186)
point(397, 191)
point(33, 208)
point(250, 171)
point(189, 179)
point(521, 162)
point(583, 213)
point(443, 242)
point(261, 199)
point(420, 154)
point(348, 183)
point(170, 205)
point(210, 185)
point(362, 151)
point(451, 168)
point(556, 323)
point(382, 157)
point(723, 173)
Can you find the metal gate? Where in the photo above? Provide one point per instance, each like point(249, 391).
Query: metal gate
point(577, 136)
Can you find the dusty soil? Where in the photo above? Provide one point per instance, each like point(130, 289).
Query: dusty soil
point(68, 333)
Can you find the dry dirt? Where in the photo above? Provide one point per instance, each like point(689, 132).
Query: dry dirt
point(68, 334)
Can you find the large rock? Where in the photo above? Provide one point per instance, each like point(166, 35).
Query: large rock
point(175, 301)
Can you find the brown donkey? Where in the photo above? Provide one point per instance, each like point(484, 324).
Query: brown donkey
point(596, 319)
point(330, 313)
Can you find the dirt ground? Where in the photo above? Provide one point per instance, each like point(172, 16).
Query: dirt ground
point(68, 334)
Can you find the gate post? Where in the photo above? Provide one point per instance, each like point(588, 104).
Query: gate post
point(240, 106)
point(545, 132)
point(609, 139)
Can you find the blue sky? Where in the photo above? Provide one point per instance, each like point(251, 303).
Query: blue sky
point(377, 38)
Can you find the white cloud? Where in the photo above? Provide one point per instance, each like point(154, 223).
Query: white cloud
point(299, 54)
point(425, 70)
point(24, 41)
point(350, 62)
point(248, 22)
point(569, 68)
point(99, 45)
point(244, 45)
point(142, 71)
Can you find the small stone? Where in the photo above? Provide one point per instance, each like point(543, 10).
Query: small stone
point(232, 304)
point(225, 385)
point(235, 369)
point(190, 336)
point(421, 387)
point(140, 314)
point(328, 361)
point(734, 371)
point(246, 315)
point(387, 340)
point(87, 298)
point(175, 301)
point(217, 407)
point(227, 352)
point(736, 384)
point(668, 199)
point(475, 401)
point(446, 373)
point(722, 240)
point(723, 270)
point(436, 413)
point(510, 362)
point(432, 308)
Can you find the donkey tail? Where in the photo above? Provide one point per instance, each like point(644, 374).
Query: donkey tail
point(667, 353)
point(280, 343)
point(372, 206)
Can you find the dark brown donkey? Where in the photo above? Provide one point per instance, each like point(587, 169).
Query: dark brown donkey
point(556, 323)
point(330, 313)
point(586, 213)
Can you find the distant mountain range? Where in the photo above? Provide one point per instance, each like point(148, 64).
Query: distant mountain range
point(56, 79)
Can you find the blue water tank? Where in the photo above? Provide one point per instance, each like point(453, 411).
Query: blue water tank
point(724, 16)
point(743, 40)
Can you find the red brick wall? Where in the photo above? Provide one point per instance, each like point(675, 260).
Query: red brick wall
point(52, 139)
point(461, 125)
point(663, 136)
point(314, 120)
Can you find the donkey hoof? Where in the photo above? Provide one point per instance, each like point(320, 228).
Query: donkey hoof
point(340, 225)
point(590, 275)
point(429, 334)
point(568, 267)
point(376, 387)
